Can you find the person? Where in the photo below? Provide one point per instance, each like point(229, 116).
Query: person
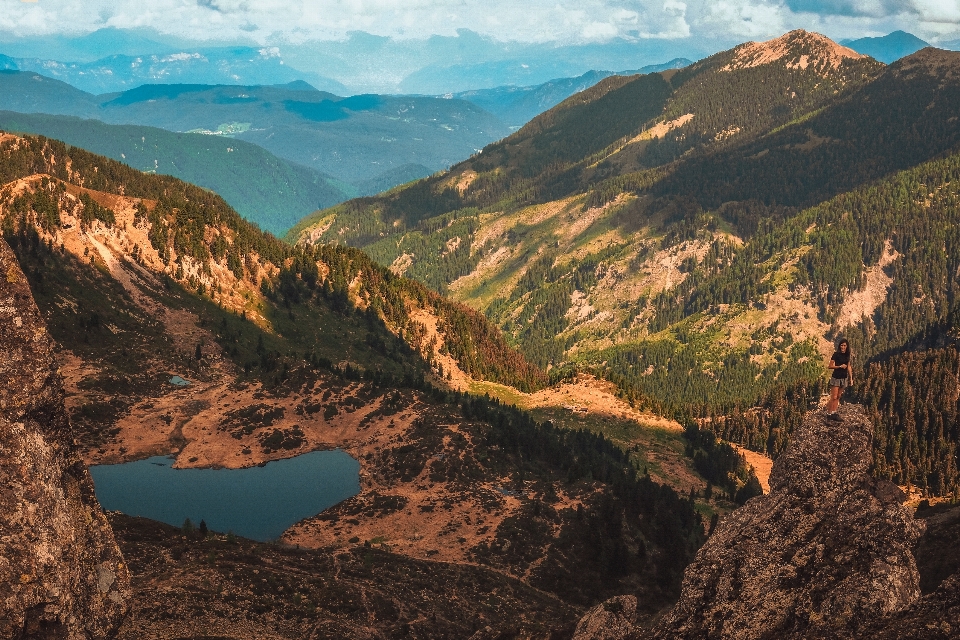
point(840, 379)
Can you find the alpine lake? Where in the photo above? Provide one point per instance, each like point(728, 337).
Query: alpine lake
point(256, 502)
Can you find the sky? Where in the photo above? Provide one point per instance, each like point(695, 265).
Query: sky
point(570, 21)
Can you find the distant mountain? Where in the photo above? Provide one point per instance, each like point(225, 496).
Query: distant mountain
point(888, 48)
point(391, 178)
point(469, 61)
point(352, 139)
point(516, 106)
point(87, 47)
point(34, 93)
point(232, 65)
point(264, 189)
point(363, 62)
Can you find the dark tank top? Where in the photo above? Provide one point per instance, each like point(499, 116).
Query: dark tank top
point(839, 359)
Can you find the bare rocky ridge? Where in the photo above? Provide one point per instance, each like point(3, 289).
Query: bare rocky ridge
point(61, 573)
point(828, 548)
point(798, 49)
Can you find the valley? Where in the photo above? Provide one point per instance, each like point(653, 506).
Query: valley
point(184, 331)
point(577, 378)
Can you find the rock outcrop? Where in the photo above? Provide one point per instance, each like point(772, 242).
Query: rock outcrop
point(827, 551)
point(61, 573)
point(610, 620)
point(935, 617)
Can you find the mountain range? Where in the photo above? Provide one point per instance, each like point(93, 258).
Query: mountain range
point(99, 62)
point(365, 149)
point(538, 357)
point(226, 65)
point(699, 237)
point(351, 139)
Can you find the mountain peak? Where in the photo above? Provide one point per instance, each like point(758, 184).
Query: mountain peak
point(890, 47)
point(798, 49)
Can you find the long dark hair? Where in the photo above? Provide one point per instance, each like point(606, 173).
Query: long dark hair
point(846, 342)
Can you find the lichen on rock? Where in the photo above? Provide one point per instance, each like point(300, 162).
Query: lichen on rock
point(61, 572)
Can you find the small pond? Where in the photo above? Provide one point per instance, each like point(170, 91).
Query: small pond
point(257, 502)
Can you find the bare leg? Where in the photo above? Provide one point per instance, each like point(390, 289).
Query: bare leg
point(834, 401)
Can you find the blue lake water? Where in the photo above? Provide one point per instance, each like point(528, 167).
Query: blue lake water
point(257, 502)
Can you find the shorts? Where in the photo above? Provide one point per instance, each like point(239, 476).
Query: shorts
point(840, 382)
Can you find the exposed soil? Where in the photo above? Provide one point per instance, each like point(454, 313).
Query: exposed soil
point(828, 54)
point(762, 465)
point(861, 304)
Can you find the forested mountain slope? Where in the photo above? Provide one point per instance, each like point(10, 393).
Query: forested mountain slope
point(199, 242)
point(264, 189)
point(289, 349)
point(699, 237)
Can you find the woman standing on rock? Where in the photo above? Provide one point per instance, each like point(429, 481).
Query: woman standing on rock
point(841, 379)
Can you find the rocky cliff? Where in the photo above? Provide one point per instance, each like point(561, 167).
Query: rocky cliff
point(61, 573)
point(828, 549)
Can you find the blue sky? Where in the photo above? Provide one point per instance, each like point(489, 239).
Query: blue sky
point(573, 21)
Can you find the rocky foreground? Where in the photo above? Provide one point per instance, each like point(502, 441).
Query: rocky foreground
point(827, 553)
point(61, 572)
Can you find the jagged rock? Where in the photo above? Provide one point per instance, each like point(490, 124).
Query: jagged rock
point(826, 551)
point(61, 573)
point(935, 617)
point(610, 620)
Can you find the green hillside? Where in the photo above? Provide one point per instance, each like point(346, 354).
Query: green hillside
point(189, 222)
point(699, 237)
point(264, 189)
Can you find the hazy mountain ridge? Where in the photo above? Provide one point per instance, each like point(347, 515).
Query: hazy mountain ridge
point(352, 139)
point(273, 193)
point(680, 259)
point(888, 48)
point(227, 65)
point(516, 106)
point(368, 63)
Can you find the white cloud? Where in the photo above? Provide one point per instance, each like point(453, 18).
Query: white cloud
point(938, 11)
point(529, 21)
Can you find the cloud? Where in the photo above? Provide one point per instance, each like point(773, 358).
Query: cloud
point(225, 6)
point(868, 8)
point(508, 20)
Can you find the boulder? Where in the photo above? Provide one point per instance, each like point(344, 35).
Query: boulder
point(609, 620)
